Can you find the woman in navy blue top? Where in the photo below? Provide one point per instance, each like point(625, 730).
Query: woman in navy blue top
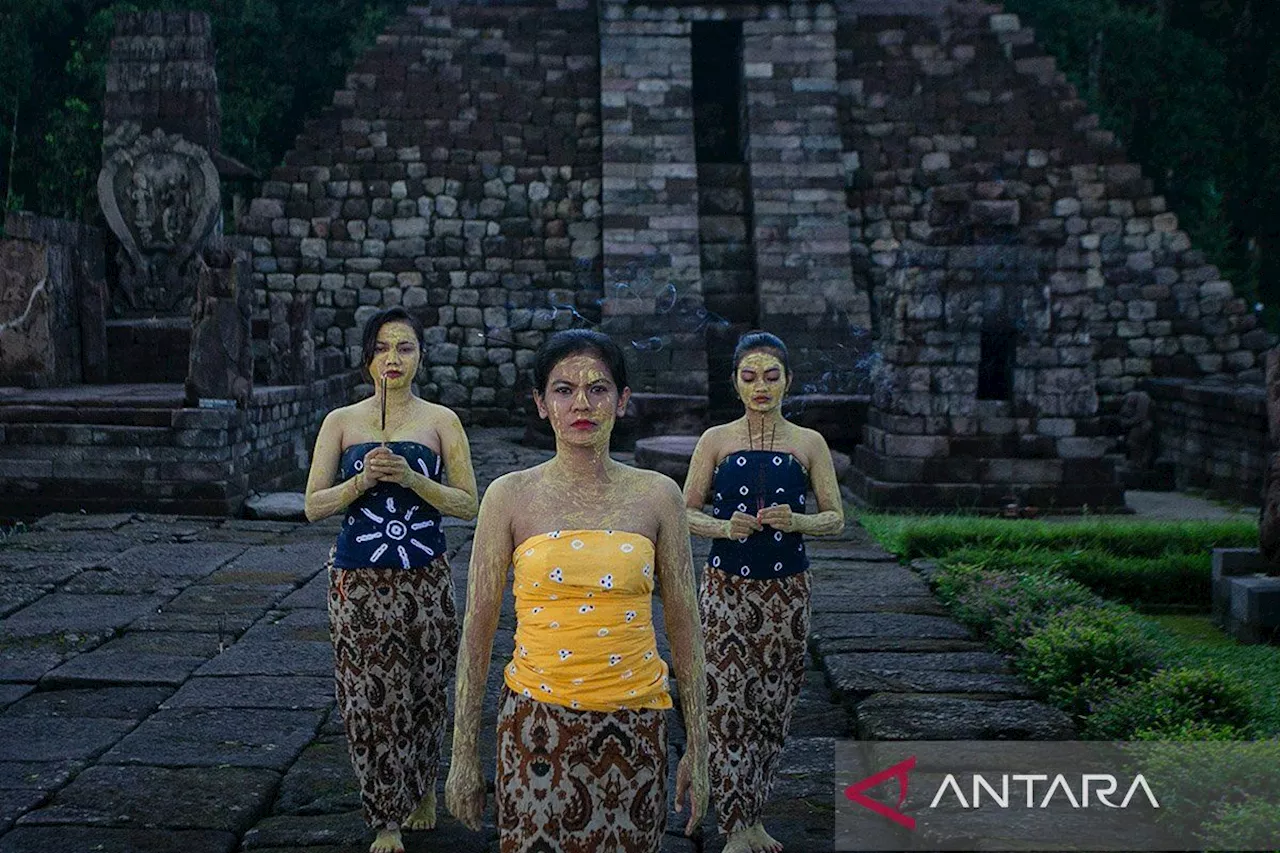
point(754, 596)
point(393, 465)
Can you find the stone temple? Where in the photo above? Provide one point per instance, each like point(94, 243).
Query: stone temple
point(987, 304)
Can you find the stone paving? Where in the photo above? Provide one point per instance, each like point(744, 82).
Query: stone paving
point(166, 685)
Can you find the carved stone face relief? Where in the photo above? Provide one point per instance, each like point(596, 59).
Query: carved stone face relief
point(160, 196)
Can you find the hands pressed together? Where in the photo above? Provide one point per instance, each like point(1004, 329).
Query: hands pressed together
point(779, 517)
point(382, 465)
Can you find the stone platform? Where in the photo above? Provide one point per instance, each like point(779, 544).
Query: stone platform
point(96, 448)
point(1246, 595)
point(166, 684)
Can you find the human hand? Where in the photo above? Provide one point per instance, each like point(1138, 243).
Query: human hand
point(464, 792)
point(694, 785)
point(779, 517)
point(383, 465)
point(742, 525)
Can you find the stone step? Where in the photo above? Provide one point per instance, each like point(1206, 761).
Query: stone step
point(34, 437)
point(59, 416)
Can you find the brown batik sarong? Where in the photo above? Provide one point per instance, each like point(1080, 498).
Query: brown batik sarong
point(572, 781)
point(756, 633)
point(395, 643)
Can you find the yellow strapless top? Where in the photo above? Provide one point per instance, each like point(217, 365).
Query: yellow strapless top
point(584, 622)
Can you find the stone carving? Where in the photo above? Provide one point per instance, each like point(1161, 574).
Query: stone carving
point(1138, 430)
point(1269, 524)
point(161, 197)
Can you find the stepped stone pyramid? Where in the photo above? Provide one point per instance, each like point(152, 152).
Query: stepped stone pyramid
point(910, 193)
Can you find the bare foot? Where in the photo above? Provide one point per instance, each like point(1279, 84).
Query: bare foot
point(753, 839)
point(388, 841)
point(424, 816)
point(768, 844)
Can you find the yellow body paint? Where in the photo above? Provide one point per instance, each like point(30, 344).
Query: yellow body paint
point(581, 488)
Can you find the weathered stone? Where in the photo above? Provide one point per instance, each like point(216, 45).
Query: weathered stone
point(225, 798)
point(921, 717)
point(60, 739)
point(121, 703)
point(285, 692)
point(40, 839)
point(235, 737)
point(276, 506)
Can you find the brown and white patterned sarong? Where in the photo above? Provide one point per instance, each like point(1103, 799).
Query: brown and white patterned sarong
point(395, 643)
point(572, 781)
point(756, 633)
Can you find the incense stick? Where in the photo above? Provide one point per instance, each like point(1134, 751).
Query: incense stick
point(384, 408)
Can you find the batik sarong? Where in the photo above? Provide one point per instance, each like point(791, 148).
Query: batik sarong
point(395, 643)
point(756, 633)
point(574, 781)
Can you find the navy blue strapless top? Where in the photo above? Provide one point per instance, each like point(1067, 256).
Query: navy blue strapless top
point(389, 526)
point(748, 481)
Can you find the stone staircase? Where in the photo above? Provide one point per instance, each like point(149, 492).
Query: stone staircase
point(728, 273)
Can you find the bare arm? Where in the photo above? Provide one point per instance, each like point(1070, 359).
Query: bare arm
point(458, 499)
point(323, 498)
point(490, 558)
point(829, 519)
point(684, 631)
point(696, 486)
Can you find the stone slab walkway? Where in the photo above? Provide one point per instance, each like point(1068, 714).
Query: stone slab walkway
point(166, 685)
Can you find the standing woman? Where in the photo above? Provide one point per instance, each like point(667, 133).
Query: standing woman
point(754, 595)
point(582, 727)
point(391, 609)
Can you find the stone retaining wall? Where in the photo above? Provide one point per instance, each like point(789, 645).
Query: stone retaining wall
point(1216, 435)
point(456, 174)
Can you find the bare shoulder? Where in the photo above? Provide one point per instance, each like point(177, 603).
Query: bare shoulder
point(656, 487)
point(810, 439)
point(442, 416)
point(339, 418)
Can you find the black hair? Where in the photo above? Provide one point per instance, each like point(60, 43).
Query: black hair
point(568, 342)
point(394, 314)
point(760, 340)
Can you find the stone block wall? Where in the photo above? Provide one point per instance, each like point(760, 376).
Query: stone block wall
point(960, 130)
point(649, 195)
point(52, 302)
point(162, 75)
point(456, 174)
point(802, 250)
point(1215, 434)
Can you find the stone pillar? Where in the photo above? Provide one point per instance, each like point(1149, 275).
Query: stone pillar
point(158, 187)
point(802, 248)
point(221, 360)
point(161, 75)
point(1270, 521)
point(652, 291)
point(292, 350)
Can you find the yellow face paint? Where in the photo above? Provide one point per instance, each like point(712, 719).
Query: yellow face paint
point(396, 356)
point(761, 381)
point(581, 400)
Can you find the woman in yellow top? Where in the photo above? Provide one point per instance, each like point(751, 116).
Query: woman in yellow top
point(755, 473)
point(582, 733)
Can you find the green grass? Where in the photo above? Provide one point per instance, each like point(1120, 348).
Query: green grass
point(1171, 580)
point(931, 536)
point(1196, 641)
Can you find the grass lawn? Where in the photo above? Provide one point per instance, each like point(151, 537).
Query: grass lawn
point(1126, 560)
point(1195, 641)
